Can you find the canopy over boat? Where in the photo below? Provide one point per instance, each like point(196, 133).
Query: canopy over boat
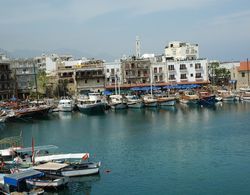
point(50, 166)
point(16, 178)
point(83, 156)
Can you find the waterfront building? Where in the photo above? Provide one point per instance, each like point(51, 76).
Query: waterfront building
point(49, 62)
point(188, 71)
point(113, 73)
point(177, 50)
point(135, 71)
point(90, 76)
point(7, 83)
point(241, 75)
point(25, 71)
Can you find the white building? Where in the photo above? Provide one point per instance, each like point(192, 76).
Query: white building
point(195, 71)
point(49, 62)
point(113, 73)
point(178, 50)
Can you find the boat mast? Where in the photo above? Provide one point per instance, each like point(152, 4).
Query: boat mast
point(247, 74)
point(151, 81)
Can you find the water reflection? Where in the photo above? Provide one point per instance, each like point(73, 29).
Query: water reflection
point(81, 185)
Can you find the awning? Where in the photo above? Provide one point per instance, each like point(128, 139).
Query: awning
point(16, 178)
point(50, 166)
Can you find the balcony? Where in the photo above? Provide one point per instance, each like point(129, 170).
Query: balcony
point(171, 79)
point(183, 70)
point(199, 79)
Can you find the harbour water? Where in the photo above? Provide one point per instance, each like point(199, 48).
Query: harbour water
point(175, 150)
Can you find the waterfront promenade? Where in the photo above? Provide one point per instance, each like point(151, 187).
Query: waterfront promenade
point(175, 150)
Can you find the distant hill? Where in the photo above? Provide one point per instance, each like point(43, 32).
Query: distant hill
point(25, 53)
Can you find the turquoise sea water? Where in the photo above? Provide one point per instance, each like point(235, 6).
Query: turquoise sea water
point(182, 150)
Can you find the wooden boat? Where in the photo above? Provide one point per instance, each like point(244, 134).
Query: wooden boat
point(164, 100)
point(206, 99)
point(189, 97)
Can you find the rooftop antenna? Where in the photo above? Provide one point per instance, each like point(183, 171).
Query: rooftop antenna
point(137, 48)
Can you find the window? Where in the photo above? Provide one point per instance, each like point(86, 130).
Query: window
point(86, 81)
point(191, 75)
point(170, 67)
point(242, 74)
point(160, 69)
point(183, 67)
point(191, 65)
point(198, 75)
point(161, 78)
point(112, 71)
point(171, 77)
point(198, 66)
point(98, 81)
point(183, 76)
point(107, 70)
point(155, 70)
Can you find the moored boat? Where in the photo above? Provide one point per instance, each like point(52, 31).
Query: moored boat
point(134, 101)
point(117, 102)
point(206, 99)
point(150, 101)
point(48, 181)
point(225, 95)
point(189, 97)
point(65, 105)
point(91, 104)
point(164, 100)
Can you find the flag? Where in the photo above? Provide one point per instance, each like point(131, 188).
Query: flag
point(86, 156)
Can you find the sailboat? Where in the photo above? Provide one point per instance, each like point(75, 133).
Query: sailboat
point(117, 101)
point(149, 99)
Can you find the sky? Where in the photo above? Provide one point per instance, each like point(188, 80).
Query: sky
point(107, 29)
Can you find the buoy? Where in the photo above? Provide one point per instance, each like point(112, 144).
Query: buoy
point(107, 171)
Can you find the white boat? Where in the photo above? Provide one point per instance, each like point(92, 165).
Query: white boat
point(62, 157)
point(71, 169)
point(189, 97)
point(48, 181)
point(149, 101)
point(225, 95)
point(93, 103)
point(245, 94)
point(134, 101)
point(117, 102)
point(65, 105)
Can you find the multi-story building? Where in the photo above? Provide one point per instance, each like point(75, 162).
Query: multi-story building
point(90, 76)
point(25, 71)
point(177, 50)
point(49, 62)
point(78, 76)
point(113, 73)
point(241, 75)
point(188, 71)
point(7, 83)
point(136, 71)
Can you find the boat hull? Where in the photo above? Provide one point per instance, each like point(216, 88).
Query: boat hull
point(92, 108)
point(167, 103)
point(208, 101)
point(118, 106)
point(48, 182)
point(135, 104)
